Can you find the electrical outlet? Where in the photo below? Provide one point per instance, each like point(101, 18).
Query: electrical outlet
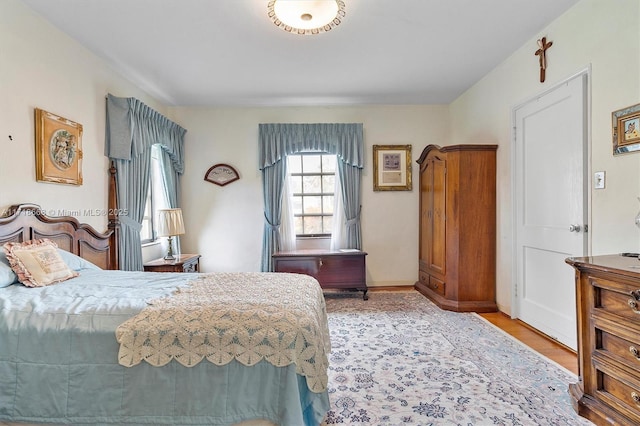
point(598, 180)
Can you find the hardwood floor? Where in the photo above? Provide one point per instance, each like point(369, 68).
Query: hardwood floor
point(534, 339)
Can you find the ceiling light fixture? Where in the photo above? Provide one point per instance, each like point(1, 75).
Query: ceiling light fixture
point(306, 16)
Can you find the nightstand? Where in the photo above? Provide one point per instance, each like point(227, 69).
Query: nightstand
point(183, 263)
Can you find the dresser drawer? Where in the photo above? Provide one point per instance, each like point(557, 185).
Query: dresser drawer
point(436, 285)
point(622, 350)
point(621, 392)
point(615, 298)
point(424, 278)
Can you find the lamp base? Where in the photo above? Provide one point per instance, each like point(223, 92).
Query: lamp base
point(170, 257)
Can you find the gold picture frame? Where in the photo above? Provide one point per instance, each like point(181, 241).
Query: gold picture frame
point(626, 129)
point(392, 168)
point(58, 149)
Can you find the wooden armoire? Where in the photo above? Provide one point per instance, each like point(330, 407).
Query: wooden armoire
point(457, 242)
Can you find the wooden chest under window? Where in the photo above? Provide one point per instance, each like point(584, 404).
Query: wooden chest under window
point(608, 312)
point(334, 269)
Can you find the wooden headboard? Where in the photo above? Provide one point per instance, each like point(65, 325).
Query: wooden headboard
point(23, 222)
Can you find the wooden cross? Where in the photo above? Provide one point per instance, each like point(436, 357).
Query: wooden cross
point(541, 52)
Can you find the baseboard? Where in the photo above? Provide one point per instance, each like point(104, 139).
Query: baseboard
point(391, 288)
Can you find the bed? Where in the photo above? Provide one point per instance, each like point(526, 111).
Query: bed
point(71, 352)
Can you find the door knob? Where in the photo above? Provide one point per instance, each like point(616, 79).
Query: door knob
point(574, 228)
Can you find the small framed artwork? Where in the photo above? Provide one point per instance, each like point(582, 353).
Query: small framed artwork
point(58, 149)
point(392, 167)
point(626, 129)
point(221, 174)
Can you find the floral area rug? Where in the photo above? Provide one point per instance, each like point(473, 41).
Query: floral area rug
point(398, 359)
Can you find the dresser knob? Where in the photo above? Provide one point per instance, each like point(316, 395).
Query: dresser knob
point(633, 305)
point(635, 397)
point(635, 352)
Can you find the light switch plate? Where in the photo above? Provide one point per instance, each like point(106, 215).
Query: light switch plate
point(598, 180)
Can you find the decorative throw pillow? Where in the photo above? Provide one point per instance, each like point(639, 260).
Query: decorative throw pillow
point(37, 263)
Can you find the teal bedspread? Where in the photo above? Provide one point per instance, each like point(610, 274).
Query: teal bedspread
point(58, 363)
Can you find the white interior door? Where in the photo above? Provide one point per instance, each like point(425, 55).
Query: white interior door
point(550, 214)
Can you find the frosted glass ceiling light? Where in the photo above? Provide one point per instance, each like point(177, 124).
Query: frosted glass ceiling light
point(306, 16)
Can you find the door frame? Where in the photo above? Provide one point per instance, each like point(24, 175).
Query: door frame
point(587, 181)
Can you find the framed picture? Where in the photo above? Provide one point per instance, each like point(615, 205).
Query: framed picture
point(626, 129)
point(392, 167)
point(58, 149)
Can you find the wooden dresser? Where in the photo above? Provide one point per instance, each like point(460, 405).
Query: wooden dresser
point(608, 313)
point(334, 269)
point(457, 237)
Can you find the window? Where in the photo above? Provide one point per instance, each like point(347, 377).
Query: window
point(312, 181)
point(146, 233)
point(156, 198)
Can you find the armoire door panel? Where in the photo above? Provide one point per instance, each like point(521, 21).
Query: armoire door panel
point(439, 237)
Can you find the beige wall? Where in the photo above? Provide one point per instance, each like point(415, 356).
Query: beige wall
point(225, 223)
point(41, 67)
point(601, 35)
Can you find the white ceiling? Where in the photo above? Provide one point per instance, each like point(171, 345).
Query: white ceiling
point(228, 52)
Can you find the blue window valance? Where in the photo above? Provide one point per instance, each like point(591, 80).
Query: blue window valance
point(280, 139)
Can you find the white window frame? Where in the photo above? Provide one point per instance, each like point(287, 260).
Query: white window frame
point(156, 198)
point(322, 194)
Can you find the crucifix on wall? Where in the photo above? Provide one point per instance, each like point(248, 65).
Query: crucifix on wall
point(542, 53)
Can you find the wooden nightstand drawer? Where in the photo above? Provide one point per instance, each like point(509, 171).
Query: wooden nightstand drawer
point(183, 263)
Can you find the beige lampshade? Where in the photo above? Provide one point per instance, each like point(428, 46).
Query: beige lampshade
point(170, 222)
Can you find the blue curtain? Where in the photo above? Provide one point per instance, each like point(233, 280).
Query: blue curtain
point(132, 129)
point(277, 140)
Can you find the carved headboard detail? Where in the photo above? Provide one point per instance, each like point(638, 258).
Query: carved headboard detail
point(23, 222)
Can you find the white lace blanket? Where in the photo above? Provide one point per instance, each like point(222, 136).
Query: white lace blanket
point(247, 316)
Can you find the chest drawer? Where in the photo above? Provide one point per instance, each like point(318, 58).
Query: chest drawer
point(621, 391)
point(624, 351)
point(615, 298)
point(436, 285)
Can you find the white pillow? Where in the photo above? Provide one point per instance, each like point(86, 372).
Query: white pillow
point(37, 263)
point(7, 276)
point(76, 262)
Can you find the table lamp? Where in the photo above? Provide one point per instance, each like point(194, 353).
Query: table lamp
point(170, 224)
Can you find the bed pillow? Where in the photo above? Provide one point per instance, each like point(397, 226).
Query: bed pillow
point(76, 262)
point(37, 263)
point(7, 276)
